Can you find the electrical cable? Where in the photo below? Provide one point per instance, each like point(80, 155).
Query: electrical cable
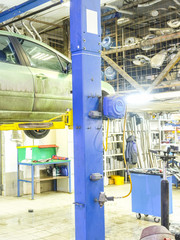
point(105, 148)
point(124, 130)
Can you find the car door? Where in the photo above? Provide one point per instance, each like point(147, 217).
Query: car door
point(16, 82)
point(52, 84)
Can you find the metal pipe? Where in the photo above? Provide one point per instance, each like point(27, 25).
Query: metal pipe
point(29, 31)
point(35, 31)
point(17, 30)
point(177, 2)
point(9, 29)
point(165, 203)
point(164, 171)
point(149, 3)
point(119, 10)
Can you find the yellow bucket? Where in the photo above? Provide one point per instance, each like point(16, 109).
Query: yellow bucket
point(118, 179)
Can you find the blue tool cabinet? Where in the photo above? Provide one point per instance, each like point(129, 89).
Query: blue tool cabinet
point(146, 194)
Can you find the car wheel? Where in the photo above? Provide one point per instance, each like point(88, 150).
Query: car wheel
point(37, 134)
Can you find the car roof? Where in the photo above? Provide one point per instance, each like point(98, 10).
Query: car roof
point(6, 33)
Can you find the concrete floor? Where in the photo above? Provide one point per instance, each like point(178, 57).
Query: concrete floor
point(53, 216)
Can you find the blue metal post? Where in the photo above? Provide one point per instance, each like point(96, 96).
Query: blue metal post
point(32, 181)
point(55, 184)
point(18, 183)
point(88, 153)
point(69, 173)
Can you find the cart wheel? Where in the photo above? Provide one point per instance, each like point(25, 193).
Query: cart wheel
point(146, 215)
point(138, 215)
point(156, 220)
point(177, 236)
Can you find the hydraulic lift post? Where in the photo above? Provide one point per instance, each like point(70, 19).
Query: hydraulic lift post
point(88, 152)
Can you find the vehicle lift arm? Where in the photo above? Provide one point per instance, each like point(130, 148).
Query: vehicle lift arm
point(59, 122)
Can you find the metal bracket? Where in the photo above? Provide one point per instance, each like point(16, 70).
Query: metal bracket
point(103, 198)
point(96, 176)
point(95, 114)
point(79, 204)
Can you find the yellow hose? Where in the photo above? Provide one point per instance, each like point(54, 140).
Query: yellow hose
point(105, 148)
point(124, 130)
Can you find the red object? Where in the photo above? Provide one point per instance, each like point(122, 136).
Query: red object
point(59, 158)
point(47, 146)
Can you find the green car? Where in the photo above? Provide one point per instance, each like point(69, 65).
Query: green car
point(35, 81)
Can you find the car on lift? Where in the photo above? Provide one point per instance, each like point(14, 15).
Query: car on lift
point(35, 81)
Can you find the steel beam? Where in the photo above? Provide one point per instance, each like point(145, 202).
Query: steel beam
point(164, 73)
point(124, 74)
point(85, 31)
point(21, 8)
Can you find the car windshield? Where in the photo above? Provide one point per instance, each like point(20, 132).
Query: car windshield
point(41, 57)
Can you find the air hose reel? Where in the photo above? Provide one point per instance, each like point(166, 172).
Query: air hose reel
point(110, 106)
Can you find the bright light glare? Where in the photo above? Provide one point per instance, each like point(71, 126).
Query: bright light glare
point(138, 99)
point(66, 4)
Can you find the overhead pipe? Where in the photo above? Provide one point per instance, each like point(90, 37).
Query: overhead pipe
point(119, 10)
point(9, 29)
point(29, 31)
point(149, 3)
point(17, 30)
point(35, 31)
point(177, 2)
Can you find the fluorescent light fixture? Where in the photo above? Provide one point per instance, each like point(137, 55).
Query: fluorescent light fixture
point(47, 58)
point(43, 55)
point(36, 55)
point(138, 99)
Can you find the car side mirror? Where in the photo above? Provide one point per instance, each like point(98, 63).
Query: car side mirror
point(69, 68)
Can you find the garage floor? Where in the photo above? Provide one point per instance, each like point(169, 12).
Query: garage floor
point(53, 216)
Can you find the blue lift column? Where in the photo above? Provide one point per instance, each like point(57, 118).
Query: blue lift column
point(88, 151)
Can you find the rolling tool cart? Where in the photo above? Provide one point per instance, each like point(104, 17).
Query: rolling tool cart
point(146, 193)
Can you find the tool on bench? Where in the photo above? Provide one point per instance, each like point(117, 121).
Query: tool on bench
point(55, 157)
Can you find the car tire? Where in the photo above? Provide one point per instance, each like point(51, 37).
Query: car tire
point(37, 134)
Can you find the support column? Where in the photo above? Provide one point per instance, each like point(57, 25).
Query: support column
point(88, 152)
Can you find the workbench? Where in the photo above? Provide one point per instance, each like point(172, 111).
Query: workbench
point(37, 152)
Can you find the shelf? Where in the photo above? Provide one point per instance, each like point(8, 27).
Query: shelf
point(49, 178)
point(155, 40)
point(115, 154)
point(167, 143)
point(113, 170)
point(115, 133)
point(163, 120)
point(162, 130)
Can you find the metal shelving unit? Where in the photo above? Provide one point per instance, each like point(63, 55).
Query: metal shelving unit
point(161, 133)
point(113, 160)
point(124, 53)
